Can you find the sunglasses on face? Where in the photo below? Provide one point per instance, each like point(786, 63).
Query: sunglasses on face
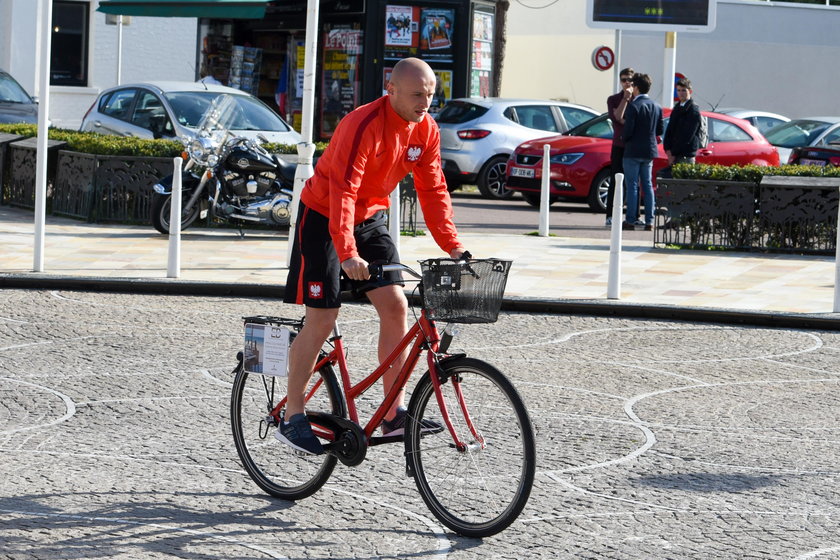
point(627, 79)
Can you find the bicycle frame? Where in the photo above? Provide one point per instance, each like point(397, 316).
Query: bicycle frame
point(421, 336)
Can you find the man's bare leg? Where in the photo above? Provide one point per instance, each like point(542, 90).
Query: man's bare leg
point(392, 307)
point(317, 326)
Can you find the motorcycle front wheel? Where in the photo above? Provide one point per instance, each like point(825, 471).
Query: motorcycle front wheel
point(162, 208)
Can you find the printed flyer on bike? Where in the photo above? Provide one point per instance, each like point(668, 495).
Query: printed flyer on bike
point(266, 350)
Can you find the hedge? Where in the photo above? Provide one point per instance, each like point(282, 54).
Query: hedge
point(750, 173)
point(110, 145)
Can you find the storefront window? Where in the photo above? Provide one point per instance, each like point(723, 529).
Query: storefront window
point(68, 63)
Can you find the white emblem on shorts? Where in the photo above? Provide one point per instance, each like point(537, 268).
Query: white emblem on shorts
point(316, 290)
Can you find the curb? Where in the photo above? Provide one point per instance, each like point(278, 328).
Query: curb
point(35, 281)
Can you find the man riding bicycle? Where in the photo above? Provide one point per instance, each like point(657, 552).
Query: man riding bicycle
point(341, 227)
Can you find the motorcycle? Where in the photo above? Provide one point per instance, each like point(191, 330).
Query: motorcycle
point(231, 178)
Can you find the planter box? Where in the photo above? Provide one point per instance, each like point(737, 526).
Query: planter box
point(798, 214)
point(5, 140)
point(780, 214)
point(23, 156)
point(107, 188)
point(699, 213)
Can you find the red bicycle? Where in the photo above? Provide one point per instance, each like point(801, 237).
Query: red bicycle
point(475, 474)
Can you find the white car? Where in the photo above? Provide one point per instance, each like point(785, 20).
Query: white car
point(174, 109)
point(762, 120)
point(812, 131)
point(478, 134)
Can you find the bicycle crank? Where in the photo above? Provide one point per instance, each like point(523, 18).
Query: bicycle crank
point(349, 444)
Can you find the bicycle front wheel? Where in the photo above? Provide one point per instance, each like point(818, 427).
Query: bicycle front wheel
point(479, 488)
point(274, 466)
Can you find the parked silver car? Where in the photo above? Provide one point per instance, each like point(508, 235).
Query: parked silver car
point(16, 106)
point(174, 109)
point(812, 131)
point(478, 134)
point(762, 120)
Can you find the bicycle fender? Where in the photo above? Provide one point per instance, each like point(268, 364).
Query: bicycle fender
point(439, 365)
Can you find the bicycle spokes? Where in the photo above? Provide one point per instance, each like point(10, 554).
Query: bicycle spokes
point(478, 485)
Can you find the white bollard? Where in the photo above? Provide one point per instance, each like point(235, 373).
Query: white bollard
point(173, 268)
point(614, 281)
point(546, 177)
point(304, 170)
point(837, 267)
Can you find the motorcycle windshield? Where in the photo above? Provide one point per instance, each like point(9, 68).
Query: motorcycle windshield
point(219, 117)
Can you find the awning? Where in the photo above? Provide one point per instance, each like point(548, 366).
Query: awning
point(243, 9)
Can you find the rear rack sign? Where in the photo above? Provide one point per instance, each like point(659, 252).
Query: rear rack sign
point(266, 350)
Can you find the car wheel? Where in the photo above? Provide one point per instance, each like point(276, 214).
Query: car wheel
point(599, 190)
point(533, 198)
point(491, 180)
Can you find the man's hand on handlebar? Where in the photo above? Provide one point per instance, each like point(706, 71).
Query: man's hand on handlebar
point(356, 268)
point(459, 253)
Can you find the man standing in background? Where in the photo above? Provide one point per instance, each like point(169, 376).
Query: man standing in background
point(616, 105)
point(643, 125)
point(682, 139)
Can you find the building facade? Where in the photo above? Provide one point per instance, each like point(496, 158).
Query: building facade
point(771, 56)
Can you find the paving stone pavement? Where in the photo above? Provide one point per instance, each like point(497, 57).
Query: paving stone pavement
point(656, 439)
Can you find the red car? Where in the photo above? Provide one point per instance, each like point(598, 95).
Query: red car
point(580, 158)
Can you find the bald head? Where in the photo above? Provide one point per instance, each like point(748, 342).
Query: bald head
point(411, 88)
point(411, 68)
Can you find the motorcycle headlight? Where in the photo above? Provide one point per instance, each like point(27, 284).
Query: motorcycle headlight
point(212, 160)
point(201, 149)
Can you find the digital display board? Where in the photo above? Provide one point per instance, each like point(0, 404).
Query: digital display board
point(652, 15)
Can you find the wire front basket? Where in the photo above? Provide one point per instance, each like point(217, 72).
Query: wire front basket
point(464, 291)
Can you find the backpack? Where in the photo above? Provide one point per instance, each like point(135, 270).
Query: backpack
point(703, 133)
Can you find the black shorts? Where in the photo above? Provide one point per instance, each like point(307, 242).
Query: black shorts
point(315, 275)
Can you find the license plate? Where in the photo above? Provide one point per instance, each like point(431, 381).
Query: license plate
point(522, 172)
point(818, 162)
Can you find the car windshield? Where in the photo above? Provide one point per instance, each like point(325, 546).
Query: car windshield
point(796, 133)
point(251, 114)
point(11, 92)
point(457, 112)
point(597, 127)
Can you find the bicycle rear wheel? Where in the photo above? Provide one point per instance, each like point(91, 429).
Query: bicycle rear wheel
point(479, 490)
point(275, 467)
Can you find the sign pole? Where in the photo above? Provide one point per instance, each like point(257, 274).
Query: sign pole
point(670, 69)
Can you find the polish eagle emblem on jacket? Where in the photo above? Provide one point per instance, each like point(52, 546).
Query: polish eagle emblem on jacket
point(414, 152)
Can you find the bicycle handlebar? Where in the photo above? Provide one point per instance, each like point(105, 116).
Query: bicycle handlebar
point(376, 269)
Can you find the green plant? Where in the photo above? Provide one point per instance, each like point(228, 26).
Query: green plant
point(292, 148)
point(110, 145)
point(750, 173)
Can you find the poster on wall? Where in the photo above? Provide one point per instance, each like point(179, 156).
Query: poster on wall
point(436, 39)
point(340, 87)
point(402, 35)
point(481, 58)
point(443, 90)
point(400, 26)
